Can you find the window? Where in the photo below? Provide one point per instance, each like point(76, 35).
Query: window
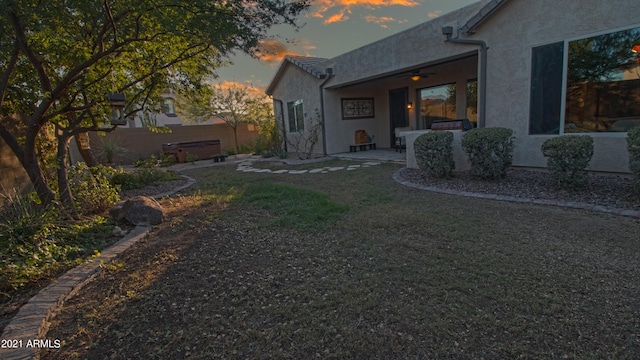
point(296, 116)
point(602, 91)
point(546, 89)
point(169, 107)
point(436, 103)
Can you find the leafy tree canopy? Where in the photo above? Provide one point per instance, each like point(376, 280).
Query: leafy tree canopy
point(59, 59)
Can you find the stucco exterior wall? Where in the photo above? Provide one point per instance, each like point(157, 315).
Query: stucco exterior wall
point(297, 84)
point(511, 33)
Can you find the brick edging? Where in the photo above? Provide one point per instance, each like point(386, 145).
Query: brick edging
point(33, 319)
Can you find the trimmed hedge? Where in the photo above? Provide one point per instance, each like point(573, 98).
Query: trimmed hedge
point(567, 158)
point(434, 153)
point(633, 145)
point(490, 151)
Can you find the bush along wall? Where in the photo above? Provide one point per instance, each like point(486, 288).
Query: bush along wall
point(434, 153)
point(490, 151)
point(567, 159)
point(633, 145)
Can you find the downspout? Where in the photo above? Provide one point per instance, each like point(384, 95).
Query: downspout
point(329, 74)
point(482, 79)
point(284, 129)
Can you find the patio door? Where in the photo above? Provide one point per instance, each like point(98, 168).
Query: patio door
point(398, 112)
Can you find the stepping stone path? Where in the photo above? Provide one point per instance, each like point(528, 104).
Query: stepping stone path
point(247, 166)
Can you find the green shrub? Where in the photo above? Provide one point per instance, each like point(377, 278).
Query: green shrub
point(141, 177)
point(633, 145)
point(154, 161)
point(434, 153)
point(490, 151)
point(567, 158)
point(92, 188)
point(35, 243)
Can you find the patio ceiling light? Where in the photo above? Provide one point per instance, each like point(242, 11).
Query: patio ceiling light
point(415, 77)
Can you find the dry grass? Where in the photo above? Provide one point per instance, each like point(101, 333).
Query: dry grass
point(400, 274)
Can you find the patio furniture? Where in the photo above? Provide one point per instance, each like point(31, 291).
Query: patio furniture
point(400, 142)
point(458, 124)
point(362, 142)
point(204, 149)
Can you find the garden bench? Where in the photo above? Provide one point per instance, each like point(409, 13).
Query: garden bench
point(363, 147)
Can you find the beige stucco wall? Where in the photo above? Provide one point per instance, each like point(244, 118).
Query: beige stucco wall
point(297, 84)
point(511, 33)
point(340, 133)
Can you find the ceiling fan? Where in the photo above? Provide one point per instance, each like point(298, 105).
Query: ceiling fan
point(416, 75)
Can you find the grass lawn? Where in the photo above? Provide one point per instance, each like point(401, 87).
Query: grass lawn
point(351, 265)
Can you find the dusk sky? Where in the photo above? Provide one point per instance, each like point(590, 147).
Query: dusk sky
point(333, 27)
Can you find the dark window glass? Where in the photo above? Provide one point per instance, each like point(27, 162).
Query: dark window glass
point(546, 89)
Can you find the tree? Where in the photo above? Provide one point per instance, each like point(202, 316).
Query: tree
point(59, 60)
point(231, 102)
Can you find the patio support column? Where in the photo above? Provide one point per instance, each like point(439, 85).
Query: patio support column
point(329, 74)
point(482, 76)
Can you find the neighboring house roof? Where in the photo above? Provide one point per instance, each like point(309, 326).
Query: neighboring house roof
point(309, 64)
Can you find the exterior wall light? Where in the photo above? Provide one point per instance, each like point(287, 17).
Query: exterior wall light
point(117, 102)
point(415, 77)
point(410, 105)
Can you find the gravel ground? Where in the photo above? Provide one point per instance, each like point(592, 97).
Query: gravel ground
point(611, 191)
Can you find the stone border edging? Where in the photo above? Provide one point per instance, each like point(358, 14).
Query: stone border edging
point(567, 204)
point(32, 320)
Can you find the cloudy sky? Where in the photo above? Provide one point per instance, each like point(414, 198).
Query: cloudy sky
point(333, 27)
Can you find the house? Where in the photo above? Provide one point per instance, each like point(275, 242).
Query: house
point(541, 68)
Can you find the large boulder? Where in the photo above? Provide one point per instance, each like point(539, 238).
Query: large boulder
point(139, 210)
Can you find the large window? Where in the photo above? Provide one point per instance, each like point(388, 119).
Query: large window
point(436, 103)
point(296, 116)
point(602, 91)
point(169, 107)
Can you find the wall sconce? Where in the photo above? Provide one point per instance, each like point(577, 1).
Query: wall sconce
point(117, 102)
point(410, 105)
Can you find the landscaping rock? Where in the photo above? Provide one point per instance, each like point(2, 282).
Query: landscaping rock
point(138, 210)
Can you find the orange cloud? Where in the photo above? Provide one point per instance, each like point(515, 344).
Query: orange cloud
point(380, 20)
point(434, 14)
point(337, 17)
point(273, 51)
point(344, 6)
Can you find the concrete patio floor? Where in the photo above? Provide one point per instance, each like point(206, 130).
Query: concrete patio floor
point(384, 155)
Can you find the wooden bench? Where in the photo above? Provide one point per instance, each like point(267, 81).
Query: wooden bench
point(363, 147)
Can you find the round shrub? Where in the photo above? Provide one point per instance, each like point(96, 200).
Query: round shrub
point(434, 153)
point(490, 151)
point(633, 145)
point(567, 158)
point(92, 188)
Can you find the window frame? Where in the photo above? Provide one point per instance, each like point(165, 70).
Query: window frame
point(298, 116)
point(565, 75)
